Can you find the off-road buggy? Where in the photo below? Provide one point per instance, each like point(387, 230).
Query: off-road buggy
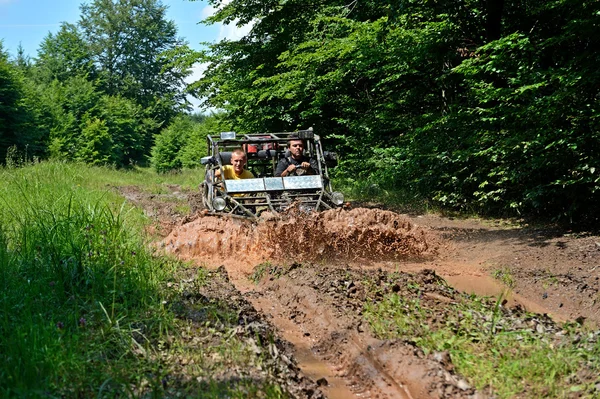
point(250, 197)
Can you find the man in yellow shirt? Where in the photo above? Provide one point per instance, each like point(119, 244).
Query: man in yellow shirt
point(236, 170)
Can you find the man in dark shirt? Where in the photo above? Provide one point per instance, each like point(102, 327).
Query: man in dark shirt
point(296, 163)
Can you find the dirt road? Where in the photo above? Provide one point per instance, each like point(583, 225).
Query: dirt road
point(309, 276)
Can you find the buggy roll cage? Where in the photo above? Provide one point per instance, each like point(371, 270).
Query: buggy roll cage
point(249, 197)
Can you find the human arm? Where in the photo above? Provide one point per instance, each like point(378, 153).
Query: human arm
point(314, 165)
point(282, 168)
point(227, 172)
point(310, 166)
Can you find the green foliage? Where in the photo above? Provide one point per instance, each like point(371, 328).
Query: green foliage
point(64, 55)
point(131, 128)
point(119, 73)
point(194, 147)
point(485, 106)
point(17, 115)
point(168, 143)
point(75, 110)
point(96, 143)
point(183, 143)
point(127, 41)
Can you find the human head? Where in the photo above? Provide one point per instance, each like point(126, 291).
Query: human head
point(238, 160)
point(296, 147)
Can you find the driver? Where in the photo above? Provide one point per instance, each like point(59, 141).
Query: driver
point(296, 163)
point(236, 170)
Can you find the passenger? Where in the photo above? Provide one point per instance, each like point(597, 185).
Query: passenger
point(236, 170)
point(296, 163)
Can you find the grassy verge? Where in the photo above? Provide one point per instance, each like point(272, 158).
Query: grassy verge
point(146, 178)
point(86, 305)
point(512, 354)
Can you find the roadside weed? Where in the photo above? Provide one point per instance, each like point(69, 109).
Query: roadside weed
point(85, 304)
point(514, 355)
point(74, 277)
point(259, 272)
point(202, 276)
point(549, 281)
point(505, 276)
point(183, 209)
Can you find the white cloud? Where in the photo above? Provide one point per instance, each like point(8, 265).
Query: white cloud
point(206, 12)
point(197, 72)
point(233, 32)
point(230, 31)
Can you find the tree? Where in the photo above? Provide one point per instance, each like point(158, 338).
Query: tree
point(64, 55)
point(66, 106)
point(130, 127)
point(183, 143)
point(96, 145)
point(127, 40)
point(118, 72)
point(18, 125)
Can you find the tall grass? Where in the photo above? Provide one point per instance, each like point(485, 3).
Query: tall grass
point(145, 178)
point(505, 354)
point(77, 283)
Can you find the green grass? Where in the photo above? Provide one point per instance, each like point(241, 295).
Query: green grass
point(84, 309)
point(505, 276)
point(75, 281)
point(513, 362)
point(152, 181)
point(259, 272)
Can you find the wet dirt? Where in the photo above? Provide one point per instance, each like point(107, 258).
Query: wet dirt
point(302, 274)
point(357, 235)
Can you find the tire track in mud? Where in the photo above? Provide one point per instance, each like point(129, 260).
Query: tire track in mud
point(464, 252)
point(342, 354)
point(326, 302)
point(329, 338)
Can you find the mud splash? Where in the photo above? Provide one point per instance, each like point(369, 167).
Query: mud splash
point(348, 235)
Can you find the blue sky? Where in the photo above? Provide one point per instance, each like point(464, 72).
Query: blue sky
point(29, 21)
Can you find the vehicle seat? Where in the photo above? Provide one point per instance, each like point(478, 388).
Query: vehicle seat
point(267, 154)
point(225, 157)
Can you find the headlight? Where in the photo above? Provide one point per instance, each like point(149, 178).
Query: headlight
point(337, 198)
point(306, 208)
point(219, 204)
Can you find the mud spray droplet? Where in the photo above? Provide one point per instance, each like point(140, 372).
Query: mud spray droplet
point(338, 234)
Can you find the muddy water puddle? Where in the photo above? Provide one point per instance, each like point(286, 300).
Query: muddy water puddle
point(336, 387)
point(338, 235)
point(484, 285)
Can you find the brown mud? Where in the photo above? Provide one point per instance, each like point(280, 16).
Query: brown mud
point(359, 235)
point(305, 274)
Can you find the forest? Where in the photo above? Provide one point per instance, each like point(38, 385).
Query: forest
point(489, 107)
